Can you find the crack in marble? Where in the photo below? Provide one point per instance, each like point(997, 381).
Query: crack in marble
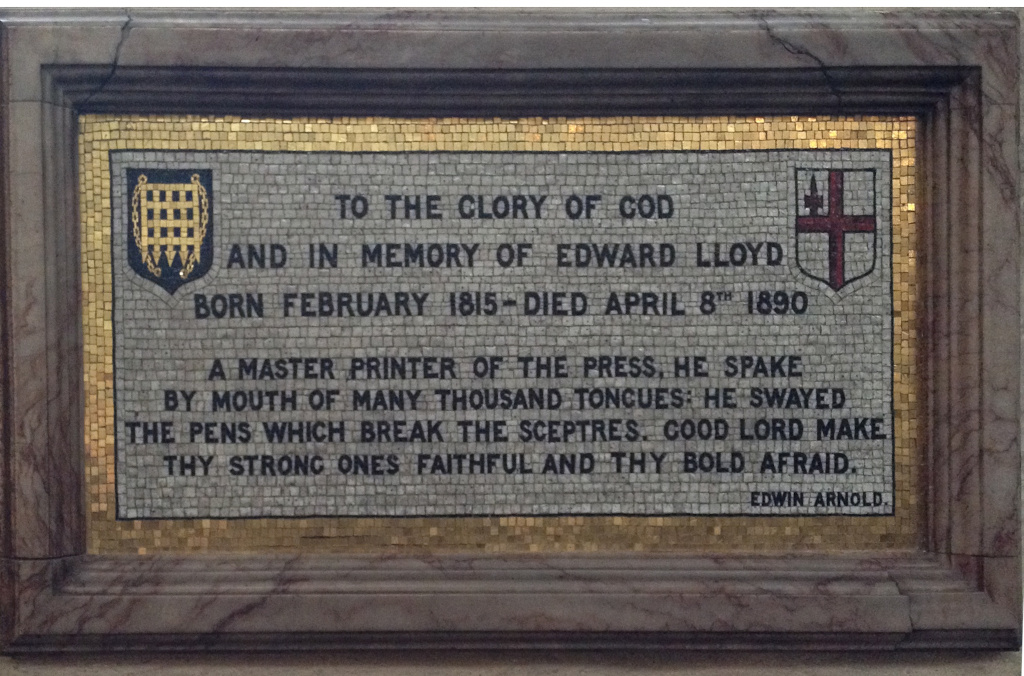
point(126, 29)
point(797, 50)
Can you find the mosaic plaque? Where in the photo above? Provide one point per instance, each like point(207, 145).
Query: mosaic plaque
point(591, 334)
point(502, 333)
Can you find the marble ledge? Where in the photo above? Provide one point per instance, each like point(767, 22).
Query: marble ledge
point(702, 599)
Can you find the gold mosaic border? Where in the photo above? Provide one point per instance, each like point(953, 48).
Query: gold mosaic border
point(99, 134)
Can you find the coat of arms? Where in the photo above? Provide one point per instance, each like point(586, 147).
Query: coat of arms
point(835, 224)
point(170, 241)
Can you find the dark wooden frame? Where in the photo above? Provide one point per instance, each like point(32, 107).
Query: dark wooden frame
point(957, 72)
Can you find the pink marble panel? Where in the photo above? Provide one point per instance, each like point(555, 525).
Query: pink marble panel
point(1001, 580)
point(54, 41)
point(964, 185)
point(644, 39)
point(26, 144)
point(1000, 446)
point(31, 471)
point(64, 339)
point(935, 261)
point(154, 599)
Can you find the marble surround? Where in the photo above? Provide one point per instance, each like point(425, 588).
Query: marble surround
point(958, 71)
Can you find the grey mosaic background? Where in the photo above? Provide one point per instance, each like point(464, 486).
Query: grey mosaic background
point(844, 340)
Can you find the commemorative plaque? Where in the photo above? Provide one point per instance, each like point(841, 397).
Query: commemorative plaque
point(449, 363)
point(536, 322)
point(457, 330)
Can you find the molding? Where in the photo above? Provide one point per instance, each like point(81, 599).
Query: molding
point(256, 602)
point(504, 92)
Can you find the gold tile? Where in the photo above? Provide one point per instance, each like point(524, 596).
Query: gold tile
point(98, 134)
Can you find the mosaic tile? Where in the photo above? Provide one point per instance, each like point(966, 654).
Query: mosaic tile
point(695, 334)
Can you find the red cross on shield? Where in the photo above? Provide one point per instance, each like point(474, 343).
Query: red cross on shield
point(835, 224)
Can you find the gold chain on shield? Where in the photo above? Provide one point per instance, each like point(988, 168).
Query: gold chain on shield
point(160, 238)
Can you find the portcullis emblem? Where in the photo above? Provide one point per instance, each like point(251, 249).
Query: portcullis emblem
point(835, 224)
point(170, 241)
